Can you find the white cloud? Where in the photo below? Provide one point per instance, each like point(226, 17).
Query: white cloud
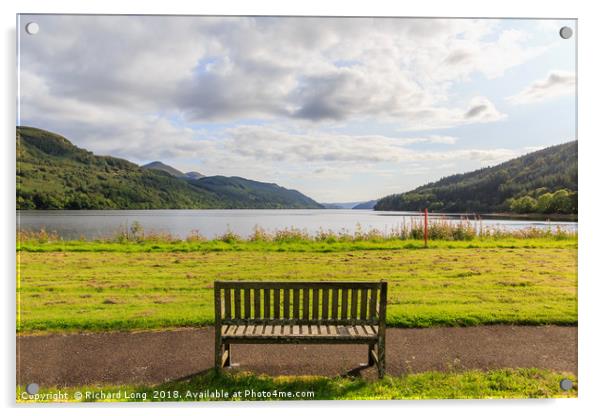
point(225, 69)
point(556, 84)
point(260, 144)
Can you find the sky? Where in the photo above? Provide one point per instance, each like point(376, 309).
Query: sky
point(341, 109)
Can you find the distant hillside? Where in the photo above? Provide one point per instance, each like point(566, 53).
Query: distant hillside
point(544, 181)
point(340, 205)
point(164, 168)
point(366, 205)
point(193, 175)
point(172, 171)
point(245, 193)
point(331, 205)
point(52, 173)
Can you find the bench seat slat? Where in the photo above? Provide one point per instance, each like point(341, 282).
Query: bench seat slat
point(343, 331)
point(298, 331)
point(359, 330)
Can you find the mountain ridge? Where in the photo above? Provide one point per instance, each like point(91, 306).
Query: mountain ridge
point(160, 166)
point(542, 181)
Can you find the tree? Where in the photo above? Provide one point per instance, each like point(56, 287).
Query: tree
point(46, 201)
point(544, 203)
point(524, 205)
point(561, 202)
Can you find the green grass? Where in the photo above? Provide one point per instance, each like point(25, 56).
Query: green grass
point(94, 286)
point(474, 384)
point(301, 245)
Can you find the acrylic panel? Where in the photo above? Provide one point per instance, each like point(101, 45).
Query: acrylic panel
point(295, 208)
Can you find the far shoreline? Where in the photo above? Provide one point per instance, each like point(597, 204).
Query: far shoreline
point(499, 215)
point(469, 215)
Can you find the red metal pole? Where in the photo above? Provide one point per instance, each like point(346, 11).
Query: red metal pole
point(426, 227)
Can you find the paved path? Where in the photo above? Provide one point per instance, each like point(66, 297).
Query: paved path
point(153, 357)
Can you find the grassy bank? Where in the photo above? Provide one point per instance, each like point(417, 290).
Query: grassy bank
point(441, 234)
point(517, 383)
point(139, 285)
point(284, 246)
point(409, 235)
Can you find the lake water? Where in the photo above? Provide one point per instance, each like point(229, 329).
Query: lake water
point(101, 224)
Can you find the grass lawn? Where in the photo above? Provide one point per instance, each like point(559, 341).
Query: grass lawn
point(103, 286)
point(474, 384)
point(293, 245)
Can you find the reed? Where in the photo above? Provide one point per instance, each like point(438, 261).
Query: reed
point(444, 229)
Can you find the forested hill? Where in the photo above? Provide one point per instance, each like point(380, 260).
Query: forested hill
point(544, 181)
point(52, 173)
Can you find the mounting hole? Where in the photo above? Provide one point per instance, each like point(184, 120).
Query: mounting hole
point(32, 28)
point(566, 32)
point(566, 384)
point(32, 388)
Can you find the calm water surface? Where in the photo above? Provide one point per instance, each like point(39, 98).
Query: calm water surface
point(209, 223)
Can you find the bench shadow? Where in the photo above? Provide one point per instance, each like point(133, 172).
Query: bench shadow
point(202, 373)
point(352, 373)
point(356, 372)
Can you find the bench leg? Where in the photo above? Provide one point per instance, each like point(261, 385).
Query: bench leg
point(218, 357)
point(228, 352)
point(371, 350)
point(381, 357)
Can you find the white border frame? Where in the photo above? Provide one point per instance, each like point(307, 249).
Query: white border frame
point(590, 286)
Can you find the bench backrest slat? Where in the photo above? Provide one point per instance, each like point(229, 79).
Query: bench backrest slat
point(315, 314)
point(354, 304)
point(296, 304)
point(257, 303)
point(287, 300)
point(325, 298)
point(276, 314)
point(306, 303)
point(227, 304)
point(237, 303)
point(373, 302)
point(344, 301)
point(314, 303)
point(266, 302)
point(334, 310)
point(247, 293)
point(364, 304)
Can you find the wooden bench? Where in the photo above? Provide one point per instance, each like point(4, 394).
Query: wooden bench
point(300, 312)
